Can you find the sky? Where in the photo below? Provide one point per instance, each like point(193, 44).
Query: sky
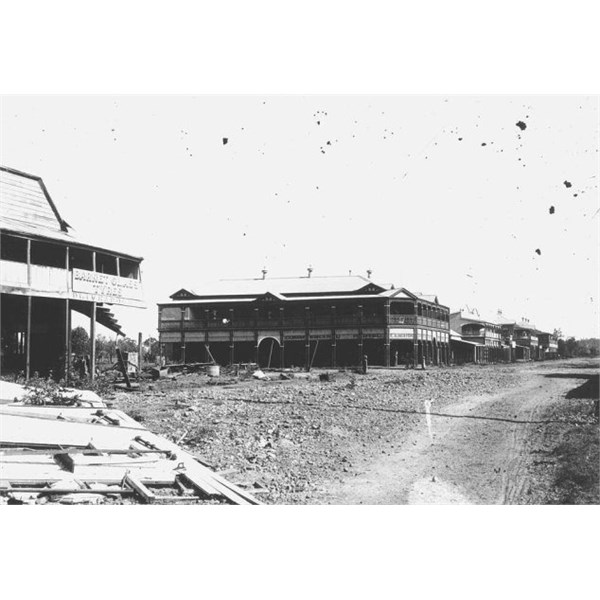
point(487, 201)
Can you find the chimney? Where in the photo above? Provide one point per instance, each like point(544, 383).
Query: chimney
point(264, 273)
point(310, 270)
point(369, 271)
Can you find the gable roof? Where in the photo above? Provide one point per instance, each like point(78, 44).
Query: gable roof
point(294, 288)
point(467, 313)
point(286, 286)
point(26, 208)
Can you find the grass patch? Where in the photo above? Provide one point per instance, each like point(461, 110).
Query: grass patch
point(577, 479)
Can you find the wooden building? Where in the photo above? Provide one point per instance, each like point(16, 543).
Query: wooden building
point(521, 336)
point(45, 273)
point(548, 345)
point(303, 322)
point(480, 330)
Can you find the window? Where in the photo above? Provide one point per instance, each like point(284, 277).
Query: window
point(13, 248)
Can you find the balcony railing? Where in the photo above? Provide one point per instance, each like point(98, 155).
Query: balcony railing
point(319, 321)
point(65, 283)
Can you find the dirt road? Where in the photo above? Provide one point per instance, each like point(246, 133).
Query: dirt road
point(479, 450)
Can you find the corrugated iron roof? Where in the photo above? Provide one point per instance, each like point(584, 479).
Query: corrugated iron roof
point(300, 288)
point(284, 286)
point(26, 208)
point(473, 314)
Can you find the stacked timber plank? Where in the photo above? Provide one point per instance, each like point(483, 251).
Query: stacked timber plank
point(89, 455)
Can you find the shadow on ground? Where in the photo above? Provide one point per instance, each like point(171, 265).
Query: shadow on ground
point(589, 389)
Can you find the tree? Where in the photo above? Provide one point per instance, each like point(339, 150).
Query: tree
point(80, 341)
point(127, 345)
point(105, 349)
point(570, 347)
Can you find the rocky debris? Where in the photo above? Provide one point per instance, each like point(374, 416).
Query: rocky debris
point(290, 437)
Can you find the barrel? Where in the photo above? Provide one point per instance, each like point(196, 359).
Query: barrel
point(213, 370)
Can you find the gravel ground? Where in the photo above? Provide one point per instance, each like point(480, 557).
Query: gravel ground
point(289, 441)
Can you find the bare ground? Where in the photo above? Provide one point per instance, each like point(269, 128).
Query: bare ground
point(514, 434)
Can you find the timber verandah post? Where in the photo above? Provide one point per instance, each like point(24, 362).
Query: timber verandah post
point(182, 334)
point(206, 345)
point(333, 337)
point(386, 333)
point(29, 300)
point(67, 365)
point(281, 338)
point(93, 329)
point(93, 342)
point(307, 338)
point(231, 342)
point(360, 334)
point(256, 335)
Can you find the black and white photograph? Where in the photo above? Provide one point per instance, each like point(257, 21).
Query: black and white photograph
point(299, 300)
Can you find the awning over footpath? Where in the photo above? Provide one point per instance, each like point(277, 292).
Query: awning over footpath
point(461, 341)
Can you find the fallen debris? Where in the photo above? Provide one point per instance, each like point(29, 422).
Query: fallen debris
point(260, 375)
point(76, 455)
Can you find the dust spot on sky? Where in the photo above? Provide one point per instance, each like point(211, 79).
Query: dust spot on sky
point(460, 139)
point(567, 184)
point(574, 195)
point(551, 210)
point(522, 126)
point(225, 141)
point(483, 144)
point(538, 251)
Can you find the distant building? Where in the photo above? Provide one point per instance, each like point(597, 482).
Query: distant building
point(480, 330)
point(45, 273)
point(303, 322)
point(548, 347)
point(521, 336)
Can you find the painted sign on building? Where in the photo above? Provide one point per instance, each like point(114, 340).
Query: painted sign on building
point(401, 334)
point(101, 287)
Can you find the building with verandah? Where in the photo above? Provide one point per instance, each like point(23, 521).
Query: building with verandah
point(46, 272)
point(303, 322)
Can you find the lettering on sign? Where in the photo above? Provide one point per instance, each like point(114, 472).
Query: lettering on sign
point(401, 334)
point(101, 287)
point(346, 335)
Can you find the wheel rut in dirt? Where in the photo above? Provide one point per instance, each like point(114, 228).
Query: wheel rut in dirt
point(476, 453)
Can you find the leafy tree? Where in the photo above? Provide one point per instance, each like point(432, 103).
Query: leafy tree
point(105, 349)
point(570, 347)
point(127, 345)
point(80, 341)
